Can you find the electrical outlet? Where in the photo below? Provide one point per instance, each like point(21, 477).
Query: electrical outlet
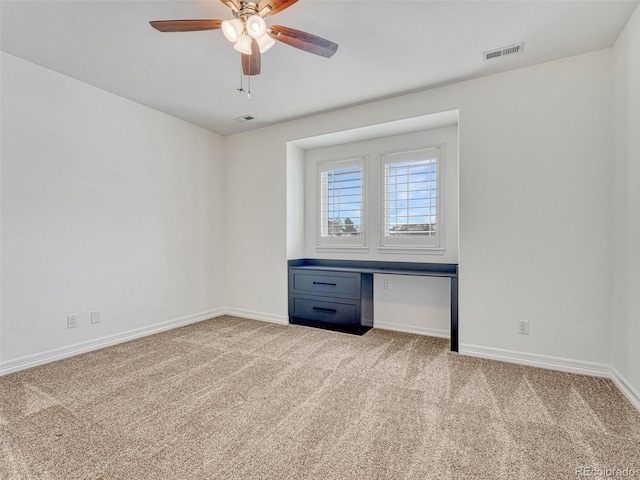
point(72, 320)
point(95, 316)
point(387, 284)
point(523, 327)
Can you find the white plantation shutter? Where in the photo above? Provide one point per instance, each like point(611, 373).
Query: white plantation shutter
point(342, 203)
point(412, 214)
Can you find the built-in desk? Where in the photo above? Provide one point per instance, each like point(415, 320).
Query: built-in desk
point(341, 291)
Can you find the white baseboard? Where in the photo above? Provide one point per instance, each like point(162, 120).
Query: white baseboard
point(625, 387)
point(265, 317)
point(557, 363)
point(48, 356)
point(396, 327)
point(536, 360)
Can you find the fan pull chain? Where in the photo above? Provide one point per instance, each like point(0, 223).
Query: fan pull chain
point(241, 89)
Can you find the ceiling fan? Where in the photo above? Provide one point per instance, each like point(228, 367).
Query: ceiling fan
point(249, 32)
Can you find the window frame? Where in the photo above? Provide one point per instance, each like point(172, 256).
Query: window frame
point(343, 241)
point(413, 243)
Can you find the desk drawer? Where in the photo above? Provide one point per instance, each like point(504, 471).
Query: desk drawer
point(337, 284)
point(343, 312)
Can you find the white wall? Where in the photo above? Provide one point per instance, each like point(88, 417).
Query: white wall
point(534, 186)
point(412, 304)
point(255, 226)
point(626, 211)
point(295, 201)
point(106, 205)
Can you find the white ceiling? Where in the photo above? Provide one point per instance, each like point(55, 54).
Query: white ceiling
point(386, 48)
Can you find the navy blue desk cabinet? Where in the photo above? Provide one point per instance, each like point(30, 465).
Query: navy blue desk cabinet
point(338, 294)
point(327, 298)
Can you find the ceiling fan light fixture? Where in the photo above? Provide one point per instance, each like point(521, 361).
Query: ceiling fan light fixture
point(265, 42)
point(232, 29)
point(256, 26)
point(243, 45)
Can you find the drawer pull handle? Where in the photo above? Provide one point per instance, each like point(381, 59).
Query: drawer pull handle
point(327, 310)
point(325, 283)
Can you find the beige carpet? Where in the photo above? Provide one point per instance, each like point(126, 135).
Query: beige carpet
point(231, 398)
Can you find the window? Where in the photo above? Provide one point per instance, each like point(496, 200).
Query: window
point(341, 203)
point(393, 196)
point(412, 213)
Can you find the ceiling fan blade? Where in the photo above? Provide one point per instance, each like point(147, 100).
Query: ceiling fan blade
point(185, 25)
point(251, 63)
point(304, 41)
point(275, 5)
point(233, 2)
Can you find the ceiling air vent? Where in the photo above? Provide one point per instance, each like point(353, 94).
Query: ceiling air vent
point(502, 52)
point(244, 118)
